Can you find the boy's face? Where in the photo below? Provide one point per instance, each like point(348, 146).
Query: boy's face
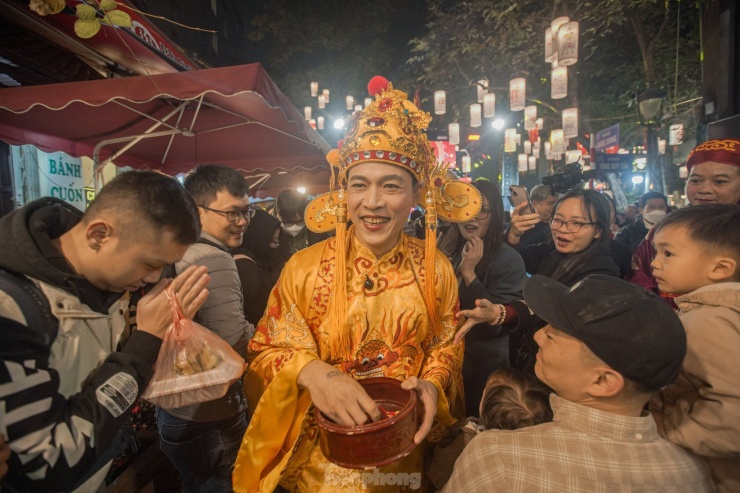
point(681, 265)
point(128, 264)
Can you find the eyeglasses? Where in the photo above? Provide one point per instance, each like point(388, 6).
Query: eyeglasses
point(234, 216)
point(484, 213)
point(571, 226)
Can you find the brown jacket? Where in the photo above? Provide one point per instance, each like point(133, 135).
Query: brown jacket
point(701, 411)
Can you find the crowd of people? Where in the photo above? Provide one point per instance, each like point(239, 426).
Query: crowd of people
point(557, 351)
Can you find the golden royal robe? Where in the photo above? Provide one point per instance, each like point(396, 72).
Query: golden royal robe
point(391, 337)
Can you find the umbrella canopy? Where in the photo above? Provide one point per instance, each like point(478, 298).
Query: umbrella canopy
point(171, 122)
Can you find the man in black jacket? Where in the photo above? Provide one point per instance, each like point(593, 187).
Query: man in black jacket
point(653, 208)
point(64, 390)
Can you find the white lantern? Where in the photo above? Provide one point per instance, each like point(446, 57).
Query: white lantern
point(350, 102)
point(568, 44)
point(440, 102)
point(527, 147)
point(540, 123)
point(554, 26)
point(320, 122)
point(517, 94)
point(570, 123)
point(322, 102)
point(368, 101)
point(475, 115)
point(536, 153)
point(675, 134)
point(530, 117)
point(548, 149)
point(307, 113)
point(482, 87)
point(536, 145)
point(559, 83)
point(572, 156)
point(518, 138)
point(510, 140)
point(358, 107)
point(548, 45)
point(557, 141)
point(314, 89)
point(453, 133)
point(661, 146)
point(532, 163)
point(312, 122)
point(489, 105)
point(466, 164)
point(522, 160)
point(683, 172)
point(326, 95)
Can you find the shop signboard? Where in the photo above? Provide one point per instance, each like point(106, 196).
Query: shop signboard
point(614, 162)
point(60, 176)
point(608, 137)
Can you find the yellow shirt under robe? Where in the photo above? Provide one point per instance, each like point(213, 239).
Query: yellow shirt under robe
point(390, 333)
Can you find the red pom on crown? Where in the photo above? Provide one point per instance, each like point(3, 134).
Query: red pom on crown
point(377, 84)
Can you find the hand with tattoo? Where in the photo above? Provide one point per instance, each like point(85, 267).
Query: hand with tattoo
point(337, 395)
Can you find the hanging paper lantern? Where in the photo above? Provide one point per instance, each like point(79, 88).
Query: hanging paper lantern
point(572, 156)
point(489, 105)
point(557, 141)
point(527, 147)
point(570, 123)
point(482, 87)
point(440, 102)
point(548, 45)
point(320, 122)
point(518, 138)
point(368, 101)
point(510, 140)
point(532, 163)
point(661, 146)
point(536, 153)
point(314, 89)
point(307, 113)
point(536, 145)
point(559, 83)
point(540, 123)
point(350, 102)
point(530, 117)
point(675, 134)
point(358, 107)
point(522, 161)
point(683, 172)
point(453, 133)
point(554, 26)
point(326, 95)
point(322, 102)
point(548, 150)
point(466, 164)
point(475, 115)
point(534, 135)
point(312, 122)
point(517, 94)
point(568, 44)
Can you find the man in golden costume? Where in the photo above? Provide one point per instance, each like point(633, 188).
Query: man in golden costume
point(360, 305)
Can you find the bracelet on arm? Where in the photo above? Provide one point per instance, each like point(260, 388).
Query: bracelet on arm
point(501, 315)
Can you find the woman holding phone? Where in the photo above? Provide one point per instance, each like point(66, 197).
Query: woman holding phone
point(580, 247)
point(486, 268)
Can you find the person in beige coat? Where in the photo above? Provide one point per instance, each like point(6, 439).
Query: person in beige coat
point(698, 250)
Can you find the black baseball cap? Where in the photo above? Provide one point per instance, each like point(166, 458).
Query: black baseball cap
point(632, 330)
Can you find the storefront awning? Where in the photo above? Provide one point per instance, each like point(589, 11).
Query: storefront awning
point(169, 122)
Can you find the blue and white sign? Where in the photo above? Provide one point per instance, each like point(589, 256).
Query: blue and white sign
point(614, 162)
point(609, 137)
point(60, 176)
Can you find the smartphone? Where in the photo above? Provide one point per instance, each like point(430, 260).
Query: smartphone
point(518, 195)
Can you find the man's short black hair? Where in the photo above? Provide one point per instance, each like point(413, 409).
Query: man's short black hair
point(289, 203)
point(717, 226)
point(151, 198)
point(205, 181)
point(650, 196)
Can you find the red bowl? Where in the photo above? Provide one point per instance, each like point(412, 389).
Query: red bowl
point(373, 444)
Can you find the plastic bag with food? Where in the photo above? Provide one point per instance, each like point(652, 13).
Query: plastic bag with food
point(194, 364)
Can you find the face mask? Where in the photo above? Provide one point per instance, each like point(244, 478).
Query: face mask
point(293, 229)
point(652, 218)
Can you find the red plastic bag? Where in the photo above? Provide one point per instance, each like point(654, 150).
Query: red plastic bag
point(194, 364)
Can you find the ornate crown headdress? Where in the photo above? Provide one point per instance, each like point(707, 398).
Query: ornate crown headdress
point(389, 130)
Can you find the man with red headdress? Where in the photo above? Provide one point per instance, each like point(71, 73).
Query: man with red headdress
point(714, 178)
point(371, 302)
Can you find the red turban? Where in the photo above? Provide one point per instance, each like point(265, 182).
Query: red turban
point(725, 151)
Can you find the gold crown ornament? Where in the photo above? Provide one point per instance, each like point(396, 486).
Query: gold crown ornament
point(389, 130)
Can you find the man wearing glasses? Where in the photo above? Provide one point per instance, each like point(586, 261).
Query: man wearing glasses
point(202, 440)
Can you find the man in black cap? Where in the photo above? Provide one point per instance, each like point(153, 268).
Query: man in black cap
point(608, 346)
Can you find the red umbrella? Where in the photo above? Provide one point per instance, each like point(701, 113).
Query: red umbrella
point(170, 122)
